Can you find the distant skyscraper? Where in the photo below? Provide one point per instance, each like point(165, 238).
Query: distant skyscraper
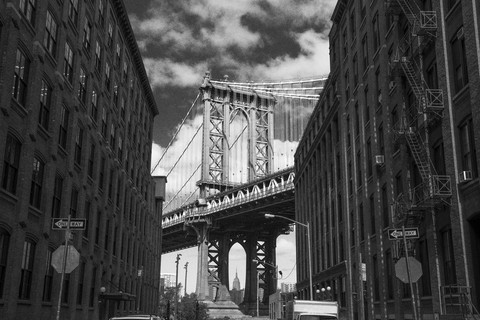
point(236, 282)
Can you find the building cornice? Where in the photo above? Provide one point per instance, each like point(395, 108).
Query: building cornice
point(131, 42)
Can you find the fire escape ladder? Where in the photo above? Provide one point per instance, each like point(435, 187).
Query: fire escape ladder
point(419, 154)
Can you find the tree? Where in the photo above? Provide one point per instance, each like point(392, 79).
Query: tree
point(190, 309)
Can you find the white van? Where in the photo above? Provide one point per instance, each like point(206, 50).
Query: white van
point(137, 317)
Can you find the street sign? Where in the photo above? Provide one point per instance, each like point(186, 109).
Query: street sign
point(72, 261)
point(414, 267)
point(397, 234)
point(75, 223)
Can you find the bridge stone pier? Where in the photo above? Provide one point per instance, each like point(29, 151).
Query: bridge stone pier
point(213, 266)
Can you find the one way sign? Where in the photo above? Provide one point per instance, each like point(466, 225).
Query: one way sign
point(75, 224)
point(397, 234)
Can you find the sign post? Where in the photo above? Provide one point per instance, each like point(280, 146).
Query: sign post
point(66, 224)
point(64, 262)
point(414, 304)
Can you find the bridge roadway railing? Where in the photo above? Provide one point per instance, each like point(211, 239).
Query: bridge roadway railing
point(276, 183)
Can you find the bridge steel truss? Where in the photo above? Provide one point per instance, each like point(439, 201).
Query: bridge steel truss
point(222, 103)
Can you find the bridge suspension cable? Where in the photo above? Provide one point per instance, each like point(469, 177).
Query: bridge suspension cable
point(176, 133)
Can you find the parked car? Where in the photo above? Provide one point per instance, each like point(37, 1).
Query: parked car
point(137, 317)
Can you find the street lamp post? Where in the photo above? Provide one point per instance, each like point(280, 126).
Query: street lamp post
point(186, 270)
point(176, 284)
point(307, 225)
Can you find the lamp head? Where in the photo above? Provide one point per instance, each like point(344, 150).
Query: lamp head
point(269, 215)
point(102, 289)
point(255, 260)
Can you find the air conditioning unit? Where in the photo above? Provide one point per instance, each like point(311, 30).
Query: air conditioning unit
point(465, 176)
point(379, 159)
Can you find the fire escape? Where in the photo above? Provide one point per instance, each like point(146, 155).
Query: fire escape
point(428, 106)
point(413, 129)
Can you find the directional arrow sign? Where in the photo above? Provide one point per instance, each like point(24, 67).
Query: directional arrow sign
point(397, 234)
point(75, 224)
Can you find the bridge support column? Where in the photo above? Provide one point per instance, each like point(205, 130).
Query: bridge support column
point(202, 290)
point(270, 276)
point(249, 299)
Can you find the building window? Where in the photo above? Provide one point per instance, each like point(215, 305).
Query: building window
point(81, 276)
point(112, 137)
point(78, 147)
point(91, 160)
point(381, 141)
point(376, 280)
point(355, 70)
point(66, 288)
point(118, 54)
point(372, 215)
point(10, 164)
point(82, 90)
point(87, 35)
point(101, 174)
point(120, 148)
point(424, 260)
point(389, 274)
point(107, 76)
point(48, 278)
point(57, 197)
point(104, 122)
point(62, 134)
point(369, 158)
point(68, 63)
point(359, 169)
point(87, 217)
point(37, 183)
point(27, 269)
point(97, 227)
point(125, 71)
point(92, 287)
point(98, 56)
point(110, 184)
point(45, 103)
point(73, 203)
point(459, 60)
point(20, 78)
point(449, 272)
point(365, 52)
point(27, 7)
point(4, 245)
point(467, 147)
point(385, 207)
point(376, 32)
point(101, 13)
point(73, 11)
point(94, 106)
point(50, 36)
point(110, 35)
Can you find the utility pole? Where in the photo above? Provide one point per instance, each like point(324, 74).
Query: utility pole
point(176, 284)
point(186, 271)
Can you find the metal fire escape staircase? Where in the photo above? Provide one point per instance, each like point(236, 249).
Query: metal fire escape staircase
point(434, 189)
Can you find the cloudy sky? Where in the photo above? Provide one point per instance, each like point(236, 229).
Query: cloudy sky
point(248, 40)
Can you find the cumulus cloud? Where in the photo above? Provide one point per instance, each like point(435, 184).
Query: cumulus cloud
point(163, 72)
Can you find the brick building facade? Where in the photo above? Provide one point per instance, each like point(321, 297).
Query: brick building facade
point(392, 144)
point(76, 116)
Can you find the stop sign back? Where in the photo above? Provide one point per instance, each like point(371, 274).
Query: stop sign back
point(414, 266)
point(73, 259)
